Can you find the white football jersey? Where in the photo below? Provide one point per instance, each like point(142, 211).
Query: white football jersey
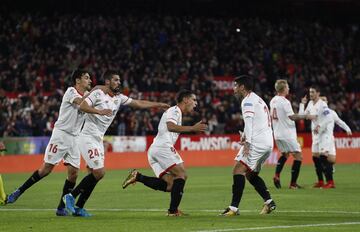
point(95, 124)
point(315, 109)
point(254, 107)
point(164, 137)
point(327, 122)
point(70, 117)
point(283, 126)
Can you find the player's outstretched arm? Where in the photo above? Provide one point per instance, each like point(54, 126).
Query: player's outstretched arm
point(296, 117)
point(84, 106)
point(143, 104)
point(198, 127)
point(79, 100)
point(342, 124)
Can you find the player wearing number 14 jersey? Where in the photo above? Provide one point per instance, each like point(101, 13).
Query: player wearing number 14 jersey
point(63, 142)
point(284, 127)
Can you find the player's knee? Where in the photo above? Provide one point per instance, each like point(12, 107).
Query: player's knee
point(331, 159)
point(286, 155)
point(99, 174)
point(45, 170)
point(240, 169)
point(298, 156)
point(316, 155)
point(72, 175)
point(181, 175)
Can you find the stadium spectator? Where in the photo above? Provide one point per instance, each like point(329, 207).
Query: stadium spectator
point(156, 55)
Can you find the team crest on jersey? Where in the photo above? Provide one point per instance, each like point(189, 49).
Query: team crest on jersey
point(97, 95)
point(116, 102)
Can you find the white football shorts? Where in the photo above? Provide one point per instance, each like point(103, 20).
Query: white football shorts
point(92, 150)
point(162, 159)
point(327, 144)
point(288, 145)
point(62, 146)
point(315, 143)
point(256, 158)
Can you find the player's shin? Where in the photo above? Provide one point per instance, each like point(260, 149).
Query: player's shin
point(280, 165)
point(295, 169)
point(152, 182)
point(237, 189)
point(85, 195)
point(318, 168)
point(259, 186)
point(83, 185)
point(176, 194)
point(35, 177)
point(68, 187)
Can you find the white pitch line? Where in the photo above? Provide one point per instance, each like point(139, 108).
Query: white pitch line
point(3, 208)
point(282, 227)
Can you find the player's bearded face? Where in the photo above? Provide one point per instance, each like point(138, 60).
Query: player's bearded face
point(115, 84)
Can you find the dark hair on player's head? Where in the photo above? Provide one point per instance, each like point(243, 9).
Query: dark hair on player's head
point(108, 74)
point(246, 80)
point(184, 93)
point(316, 87)
point(77, 74)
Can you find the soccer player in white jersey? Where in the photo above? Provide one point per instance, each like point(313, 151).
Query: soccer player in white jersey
point(283, 122)
point(257, 145)
point(163, 158)
point(63, 142)
point(325, 130)
point(314, 109)
point(92, 134)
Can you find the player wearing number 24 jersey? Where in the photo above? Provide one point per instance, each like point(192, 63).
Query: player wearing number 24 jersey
point(110, 99)
point(63, 142)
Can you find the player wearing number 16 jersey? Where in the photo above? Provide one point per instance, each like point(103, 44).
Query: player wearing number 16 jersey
point(92, 134)
point(282, 116)
point(257, 146)
point(63, 142)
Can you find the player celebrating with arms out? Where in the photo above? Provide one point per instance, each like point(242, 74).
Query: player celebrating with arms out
point(257, 146)
point(63, 142)
point(314, 110)
point(325, 130)
point(92, 134)
point(163, 158)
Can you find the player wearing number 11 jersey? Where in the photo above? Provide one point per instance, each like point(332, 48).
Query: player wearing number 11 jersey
point(257, 144)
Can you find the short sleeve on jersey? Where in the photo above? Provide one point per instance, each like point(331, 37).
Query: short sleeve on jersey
point(248, 109)
point(326, 112)
point(288, 109)
point(72, 94)
point(173, 115)
point(93, 97)
point(125, 100)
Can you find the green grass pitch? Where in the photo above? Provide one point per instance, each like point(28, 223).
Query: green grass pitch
point(207, 193)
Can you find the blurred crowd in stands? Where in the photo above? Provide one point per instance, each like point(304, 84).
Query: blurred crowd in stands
point(156, 56)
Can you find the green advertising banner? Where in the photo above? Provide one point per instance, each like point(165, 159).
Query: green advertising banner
point(24, 145)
